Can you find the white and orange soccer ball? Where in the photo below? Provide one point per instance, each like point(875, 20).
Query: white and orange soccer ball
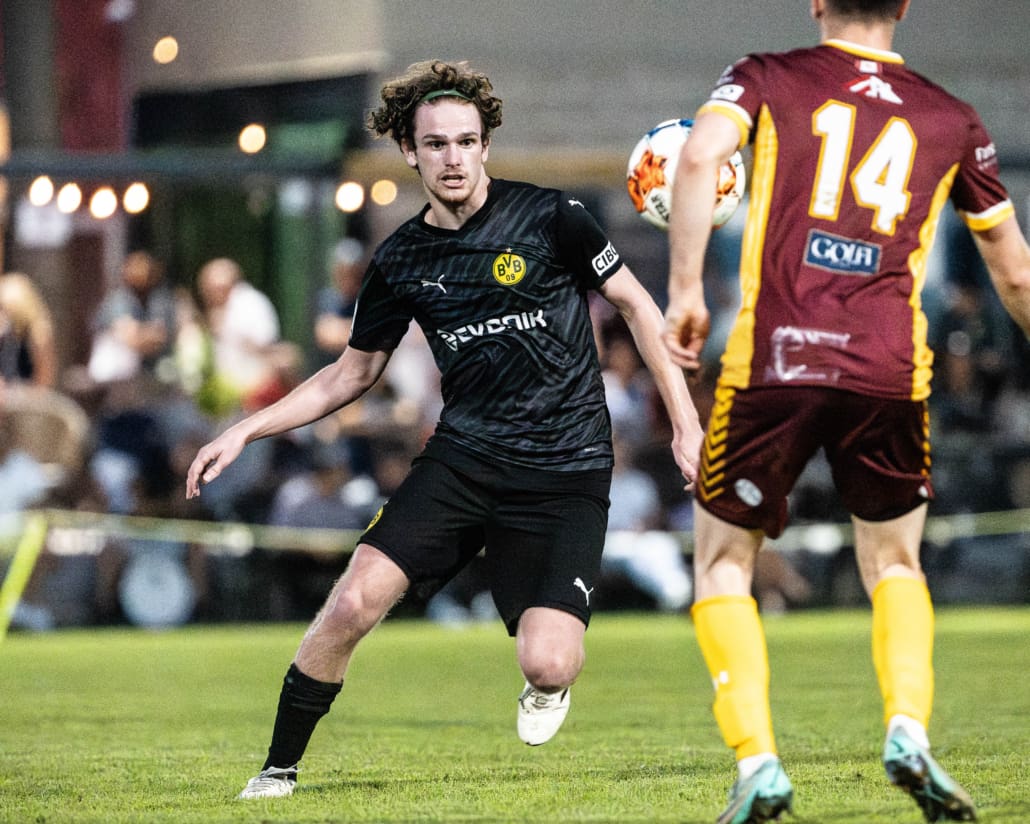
point(652, 168)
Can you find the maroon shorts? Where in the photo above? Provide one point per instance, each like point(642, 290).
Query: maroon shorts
point(759, 440)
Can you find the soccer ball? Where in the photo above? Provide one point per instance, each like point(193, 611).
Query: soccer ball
point(652, 167)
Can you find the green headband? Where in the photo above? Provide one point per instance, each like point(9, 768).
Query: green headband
point(443, 93)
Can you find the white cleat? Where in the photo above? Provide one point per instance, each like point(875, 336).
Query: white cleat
point(272, 782)
point(541, 714)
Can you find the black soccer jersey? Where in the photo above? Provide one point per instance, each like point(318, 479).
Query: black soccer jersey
point(503, 304)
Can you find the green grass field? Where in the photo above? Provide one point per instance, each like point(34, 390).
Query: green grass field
point(121, 725)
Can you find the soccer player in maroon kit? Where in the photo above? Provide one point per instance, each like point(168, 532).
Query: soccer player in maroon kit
point(855, 156)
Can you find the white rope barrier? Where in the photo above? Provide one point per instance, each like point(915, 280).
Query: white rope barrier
point(66, 532)
point(75, 532)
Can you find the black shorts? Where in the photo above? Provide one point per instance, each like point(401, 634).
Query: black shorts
point(759, 440)
point(543, 531)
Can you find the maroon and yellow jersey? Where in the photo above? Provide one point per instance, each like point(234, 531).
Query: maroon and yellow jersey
point(855, 156)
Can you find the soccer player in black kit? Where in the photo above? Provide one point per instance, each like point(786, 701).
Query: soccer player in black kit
point(497, 274)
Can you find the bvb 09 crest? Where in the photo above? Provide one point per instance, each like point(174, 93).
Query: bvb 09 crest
point(509, 268)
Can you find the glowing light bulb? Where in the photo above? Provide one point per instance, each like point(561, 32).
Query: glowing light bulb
point(41, 191)
point(252, 138)
point(166, 50)
point(383, 192)
point(69, 198)
point(350, 196)
point(104, 203)
point(136, 198)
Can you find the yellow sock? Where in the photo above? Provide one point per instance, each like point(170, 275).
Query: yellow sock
point(903, 647)
point(732, 642)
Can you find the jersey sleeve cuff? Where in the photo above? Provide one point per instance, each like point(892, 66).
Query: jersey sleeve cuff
point(734, 113)
point(988, 219)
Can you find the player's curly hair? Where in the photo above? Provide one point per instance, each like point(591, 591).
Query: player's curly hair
point(401, 96)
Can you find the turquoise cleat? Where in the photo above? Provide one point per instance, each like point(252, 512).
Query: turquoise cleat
point(912, 768)
point(760, 798)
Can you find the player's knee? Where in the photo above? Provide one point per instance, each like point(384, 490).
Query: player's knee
point(872, 575)
point(349, 614)
point(551, 669)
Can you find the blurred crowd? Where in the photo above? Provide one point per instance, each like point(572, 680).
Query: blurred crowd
point(171, 366)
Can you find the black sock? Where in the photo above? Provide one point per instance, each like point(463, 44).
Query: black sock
point(302, 702)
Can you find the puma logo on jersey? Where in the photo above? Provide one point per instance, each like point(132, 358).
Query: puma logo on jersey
point(586, 592)
point(875, 88)
point(437, 283)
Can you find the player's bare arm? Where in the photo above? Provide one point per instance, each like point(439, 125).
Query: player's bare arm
point(1007, 256)
point(714, 138)
point(644, 320)
point(341, 382)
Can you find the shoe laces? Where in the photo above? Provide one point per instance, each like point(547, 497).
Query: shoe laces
point(271, 775)
point(534, 699)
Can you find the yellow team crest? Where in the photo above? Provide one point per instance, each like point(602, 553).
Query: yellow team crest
point(509, 268)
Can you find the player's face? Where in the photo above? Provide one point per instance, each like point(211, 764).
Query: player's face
point(449, 152)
